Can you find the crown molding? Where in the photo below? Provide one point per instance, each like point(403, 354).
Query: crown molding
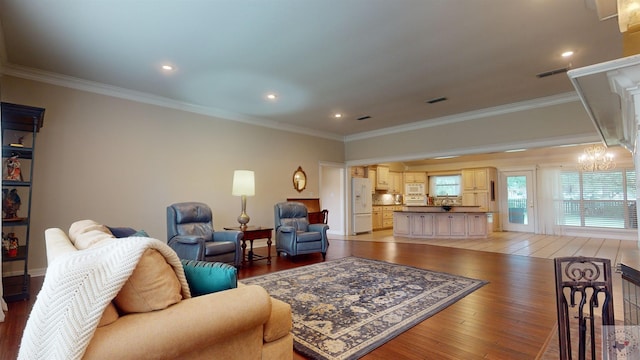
point(142, 97)
point(146, 98)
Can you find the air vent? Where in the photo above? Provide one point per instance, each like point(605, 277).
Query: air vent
point(364, 117)
point(436, 100)
point(553, 72)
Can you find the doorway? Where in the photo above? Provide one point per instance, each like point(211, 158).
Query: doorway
point(332, 195)
point(518, 201)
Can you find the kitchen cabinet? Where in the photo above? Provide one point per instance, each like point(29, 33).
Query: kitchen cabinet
point(476, 198)
point(402, 224)
point(475, 179)
point(20, 125)
point(477, 224)
point(377, 217)
point(450, 225)
point(422, 225)
point(382, 178)
point(357, 172)
point(395, 182)
point(415, 177)
point(478, 188)
point(436, 224)
point(371, 174)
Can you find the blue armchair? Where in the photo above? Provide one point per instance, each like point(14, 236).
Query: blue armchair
point(294, 234)
point(190, 233)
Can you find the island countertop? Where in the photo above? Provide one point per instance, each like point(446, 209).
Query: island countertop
point(439, 208)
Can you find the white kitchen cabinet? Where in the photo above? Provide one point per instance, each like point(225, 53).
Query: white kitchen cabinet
point(451, 225)
point(382, 178)
point(402, 224)
point(422, 225)
point(477, 224)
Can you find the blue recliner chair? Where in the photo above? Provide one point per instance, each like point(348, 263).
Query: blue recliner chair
point(190, 233)
point(294, 234)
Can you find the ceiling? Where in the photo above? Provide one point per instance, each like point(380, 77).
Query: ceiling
point(377, 58)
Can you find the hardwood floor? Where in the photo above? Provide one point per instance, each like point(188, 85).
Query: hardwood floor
point(509, 318)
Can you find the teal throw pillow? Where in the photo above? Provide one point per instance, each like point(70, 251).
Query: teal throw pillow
point(141, 233)
point(206, 277)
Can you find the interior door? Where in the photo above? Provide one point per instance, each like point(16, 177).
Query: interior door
point(518, 206)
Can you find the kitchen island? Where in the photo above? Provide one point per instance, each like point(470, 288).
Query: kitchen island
point(441, 221)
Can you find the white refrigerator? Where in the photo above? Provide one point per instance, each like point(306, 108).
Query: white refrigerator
point(361, 205)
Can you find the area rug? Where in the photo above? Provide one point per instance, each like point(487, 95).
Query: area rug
point(345, 308)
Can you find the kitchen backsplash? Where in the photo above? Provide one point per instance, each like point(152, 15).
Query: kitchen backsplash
point(386, 199)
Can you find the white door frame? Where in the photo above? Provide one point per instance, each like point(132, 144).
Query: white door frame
point(531, 201)
point(332, 195)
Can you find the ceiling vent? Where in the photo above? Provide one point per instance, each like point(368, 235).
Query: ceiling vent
point(553, 72)
point(364, 117)
point(436, 100)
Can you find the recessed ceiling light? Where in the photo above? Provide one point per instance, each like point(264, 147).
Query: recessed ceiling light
point(445, 157)
point(567, 54)
point(515, 150)
point(167, 67)
point(272, 96)
point(337, 115)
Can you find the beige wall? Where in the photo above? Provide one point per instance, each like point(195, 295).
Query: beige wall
point(531, 126)
point(122, 162)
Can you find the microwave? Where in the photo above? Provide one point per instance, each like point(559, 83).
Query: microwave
point(414, 189)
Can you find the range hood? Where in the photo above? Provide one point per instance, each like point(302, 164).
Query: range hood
point(610, 92)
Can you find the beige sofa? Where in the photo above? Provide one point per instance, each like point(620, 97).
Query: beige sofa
point(240, 323)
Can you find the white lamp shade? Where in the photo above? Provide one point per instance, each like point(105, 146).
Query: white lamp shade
point(243, 183)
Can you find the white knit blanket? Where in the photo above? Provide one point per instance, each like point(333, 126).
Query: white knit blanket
point(77, 288)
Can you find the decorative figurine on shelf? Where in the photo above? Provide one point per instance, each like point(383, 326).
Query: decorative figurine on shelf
point(13, 168)
point(5, 243)
point(10, 203)
point(12, 251)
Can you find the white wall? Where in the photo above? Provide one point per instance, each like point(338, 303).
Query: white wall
point(121, 162)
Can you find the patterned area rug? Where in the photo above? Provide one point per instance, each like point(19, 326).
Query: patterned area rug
point(343, 309)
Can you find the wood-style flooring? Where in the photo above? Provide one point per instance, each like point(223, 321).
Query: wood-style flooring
point(509, 318)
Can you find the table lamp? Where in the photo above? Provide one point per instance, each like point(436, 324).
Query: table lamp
point(243, 186)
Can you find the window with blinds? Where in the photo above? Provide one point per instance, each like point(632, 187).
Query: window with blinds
point(445, 185)
point(599, 199)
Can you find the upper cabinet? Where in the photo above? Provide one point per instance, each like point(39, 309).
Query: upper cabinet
point(395, 182)
point(475, 179)
point(415, 177)
point(382, 178)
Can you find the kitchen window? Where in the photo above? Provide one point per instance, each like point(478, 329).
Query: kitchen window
point(445, 185)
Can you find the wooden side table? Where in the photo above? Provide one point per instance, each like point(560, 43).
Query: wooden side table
point(253, 233)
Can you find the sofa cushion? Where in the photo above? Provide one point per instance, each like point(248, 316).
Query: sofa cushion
point(91, 238)
point(207, 277)
point(152, 286)
point(81, 227)
point(109, 315)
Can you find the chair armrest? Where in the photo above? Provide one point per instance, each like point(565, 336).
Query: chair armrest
point(188, 239)
point(227, 235)
point(287, 229)
point(188, 247)
point(183, 328)
point(319, 227)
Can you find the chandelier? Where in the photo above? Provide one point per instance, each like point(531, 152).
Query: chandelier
point(595, 158)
